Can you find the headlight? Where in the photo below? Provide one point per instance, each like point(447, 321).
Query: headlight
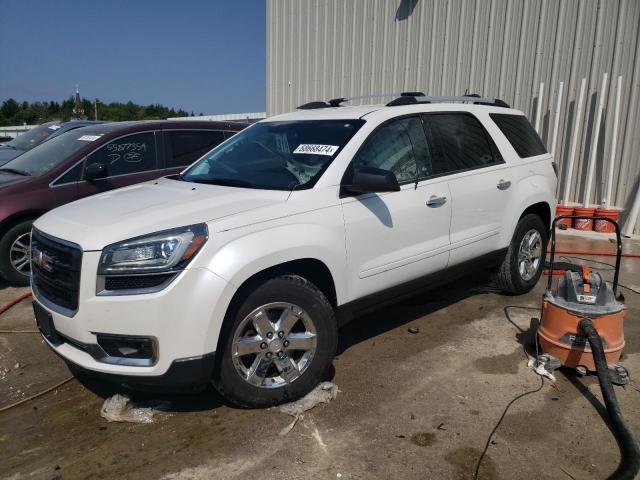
point(158, 252)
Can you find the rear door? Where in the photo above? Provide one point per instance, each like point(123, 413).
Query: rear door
point(129, 159)
point(479, 181)
point(183, 147)
point(393, 238)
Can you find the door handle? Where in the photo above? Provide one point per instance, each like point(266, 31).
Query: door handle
point(503, 184)
point(435, 201)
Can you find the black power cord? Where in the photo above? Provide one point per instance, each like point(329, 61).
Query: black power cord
point(495, 428)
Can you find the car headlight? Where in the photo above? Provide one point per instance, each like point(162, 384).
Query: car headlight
point(158, 252)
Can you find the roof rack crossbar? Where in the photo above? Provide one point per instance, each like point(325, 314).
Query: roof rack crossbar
point(337, 102)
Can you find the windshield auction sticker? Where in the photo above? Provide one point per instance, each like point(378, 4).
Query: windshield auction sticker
point(312, 149)
point(89, 138)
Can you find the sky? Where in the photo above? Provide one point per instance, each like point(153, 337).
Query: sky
point(198, 55)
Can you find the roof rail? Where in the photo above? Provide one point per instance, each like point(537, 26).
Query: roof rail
point(408, 99)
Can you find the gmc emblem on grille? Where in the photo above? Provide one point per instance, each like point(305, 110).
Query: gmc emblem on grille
point(41, 259)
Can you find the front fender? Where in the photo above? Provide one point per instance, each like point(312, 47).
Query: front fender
point(244, 256)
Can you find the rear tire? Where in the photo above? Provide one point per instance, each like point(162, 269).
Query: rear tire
point(521, 269)
point(257, 355)
point(14, 252)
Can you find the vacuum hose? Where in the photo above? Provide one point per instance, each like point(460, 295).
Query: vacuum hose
point(629, 451)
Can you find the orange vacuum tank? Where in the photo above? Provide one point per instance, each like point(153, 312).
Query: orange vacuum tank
point(582, 294)
point(560, 336)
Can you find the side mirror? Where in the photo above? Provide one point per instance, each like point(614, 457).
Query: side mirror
point(95, 171)
point(373, 180)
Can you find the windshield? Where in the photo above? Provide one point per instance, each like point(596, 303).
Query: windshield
point(34, 137)
point(50, 154)
point(275, 155)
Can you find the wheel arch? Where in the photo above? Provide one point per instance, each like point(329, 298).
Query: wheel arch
point(17, 218)
point(542, 210)
point(312, 269)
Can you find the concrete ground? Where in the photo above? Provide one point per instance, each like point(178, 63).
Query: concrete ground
point(409, 406)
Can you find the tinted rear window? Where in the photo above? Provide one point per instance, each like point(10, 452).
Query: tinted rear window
point(463, 142)
point(523, 138)
point(187, 146)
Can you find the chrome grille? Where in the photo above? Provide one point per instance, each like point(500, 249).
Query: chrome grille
point(55, 270)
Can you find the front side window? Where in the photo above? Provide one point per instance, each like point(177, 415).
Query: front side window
point(391, 148)
point(126, 155)
point(462, 141)
point(282, 155)
point(187, 146)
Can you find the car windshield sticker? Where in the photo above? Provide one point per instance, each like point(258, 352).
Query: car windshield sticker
point(89, 138)
point(313, 149)
point(54, 127)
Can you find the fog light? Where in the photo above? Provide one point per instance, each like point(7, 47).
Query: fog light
point(127, 347)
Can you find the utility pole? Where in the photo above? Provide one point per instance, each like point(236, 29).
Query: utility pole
point(95, 109)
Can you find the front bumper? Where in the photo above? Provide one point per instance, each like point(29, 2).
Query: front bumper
point(184, 373)
point(184, 321)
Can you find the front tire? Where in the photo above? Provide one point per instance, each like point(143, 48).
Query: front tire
point(278, 344)
point(15, 244)
point(523, 264)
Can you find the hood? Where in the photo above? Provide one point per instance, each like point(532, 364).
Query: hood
point(110, 217)
point(7, 154)
point(7, 178)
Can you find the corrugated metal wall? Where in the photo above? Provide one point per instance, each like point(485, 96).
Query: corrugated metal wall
point(321, 49)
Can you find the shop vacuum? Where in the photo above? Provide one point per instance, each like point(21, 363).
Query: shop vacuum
point(581, 327)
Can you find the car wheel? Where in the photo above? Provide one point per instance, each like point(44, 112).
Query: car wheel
point(522, 266)
point(15, 246)
point(278, 344)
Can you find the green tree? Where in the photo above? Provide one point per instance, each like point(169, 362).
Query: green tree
point(14, 113)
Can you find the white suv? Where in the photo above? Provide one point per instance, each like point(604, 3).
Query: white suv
point(240, 270)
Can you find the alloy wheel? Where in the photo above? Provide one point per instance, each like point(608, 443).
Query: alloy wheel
point(19, 254)
point(530, 254)
point(274, 345)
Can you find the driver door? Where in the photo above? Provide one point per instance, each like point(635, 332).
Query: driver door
point(393, 238)
point(128, 159)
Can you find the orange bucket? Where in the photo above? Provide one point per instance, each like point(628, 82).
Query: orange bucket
point(583, 224)
point(601, 225)
point(564, 210)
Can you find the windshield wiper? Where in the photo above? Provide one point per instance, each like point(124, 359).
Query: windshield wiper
point(16, 171)
point(226, 182)
point(8, 146)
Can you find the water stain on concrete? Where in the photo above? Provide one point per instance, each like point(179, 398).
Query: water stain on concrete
point(464, 461)
point(500, 364)
point(423, 439)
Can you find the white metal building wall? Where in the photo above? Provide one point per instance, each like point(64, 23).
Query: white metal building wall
point(322, 49)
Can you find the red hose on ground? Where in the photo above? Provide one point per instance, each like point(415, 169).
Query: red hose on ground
point(596, 254)
point(13, 302)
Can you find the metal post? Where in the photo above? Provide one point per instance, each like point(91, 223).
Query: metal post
point(557, 120)
point(574, 142)
point(614, 143)
point(539, 112)
point(594, 146)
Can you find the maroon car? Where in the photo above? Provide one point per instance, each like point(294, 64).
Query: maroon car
point(90, 160)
